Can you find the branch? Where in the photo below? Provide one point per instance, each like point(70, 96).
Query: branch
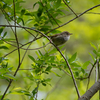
point(11, 80)
point(70, 8)
point(24, 45)
point(13, 20)
point(88, 95)
point(90, 73)
point(74, 18)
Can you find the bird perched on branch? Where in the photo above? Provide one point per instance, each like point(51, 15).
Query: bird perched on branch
point(60, 38)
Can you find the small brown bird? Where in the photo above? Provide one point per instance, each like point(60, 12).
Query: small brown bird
point(60, 38)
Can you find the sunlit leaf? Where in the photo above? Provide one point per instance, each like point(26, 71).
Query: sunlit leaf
point(72, 58)
point(92, 45)
point(31, 58)
point(9, 76)
point(85, 64)
point(92, 56)
point(40, 53)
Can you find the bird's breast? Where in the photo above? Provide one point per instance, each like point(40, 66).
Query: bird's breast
point(66, 38)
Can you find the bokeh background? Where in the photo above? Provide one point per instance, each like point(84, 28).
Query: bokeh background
point(85, 30)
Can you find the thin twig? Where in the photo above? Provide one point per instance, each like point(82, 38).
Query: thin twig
point(24, 45)
point(16, 22)
point(55, 46)
point(74, 81)
point(90, 74)
point(74, 18)
point(20, 47)
point(98, 73)
point(15, 73)
point(65, 72)
point(69, 7)
point(7, 19)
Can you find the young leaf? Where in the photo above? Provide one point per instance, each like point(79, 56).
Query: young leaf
point(85, 65)
point(95, 52)
point(92, 45)
point(40, 53)
point(73, 58)
point(92, 57)
point(9, 76)
point(31, 58)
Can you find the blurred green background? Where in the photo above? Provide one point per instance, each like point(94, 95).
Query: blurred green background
point(85, 30)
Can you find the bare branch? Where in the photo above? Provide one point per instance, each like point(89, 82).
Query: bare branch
point(90, 74)
point(13, 20)
point(69, 7)
point(74, 18)
point(21, 47)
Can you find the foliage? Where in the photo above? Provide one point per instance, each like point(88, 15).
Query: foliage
point(33, 70)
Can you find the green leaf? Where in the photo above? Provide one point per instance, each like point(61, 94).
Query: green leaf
point(37, 54)
point(92, 45)
point(95, 52)
point(83, 70)
point(5, 5)
point(9, 39)
point(58, 3)
point(40, 9)
point(1, 59)
point(40, 53)
point(31, 58)
point(48, 69)
point(1, 30)
point(34, 91)
point(20, 20)
point(44, 84)
point(74, 64)
point(56, 74)
point(1, 41)
point(9, 76)
point(3, 47)
point(4, 34)
point(92, 56)
point(72, 58)
point(23, 11)
point(85, 64)
point(34, 4)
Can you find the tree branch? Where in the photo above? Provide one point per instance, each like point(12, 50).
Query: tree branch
point(74, 18)
point(88, 95)
point(69, 7)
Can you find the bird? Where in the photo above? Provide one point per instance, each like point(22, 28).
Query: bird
point(60, 38)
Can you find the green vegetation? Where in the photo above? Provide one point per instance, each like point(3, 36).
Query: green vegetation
point(31, 66)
